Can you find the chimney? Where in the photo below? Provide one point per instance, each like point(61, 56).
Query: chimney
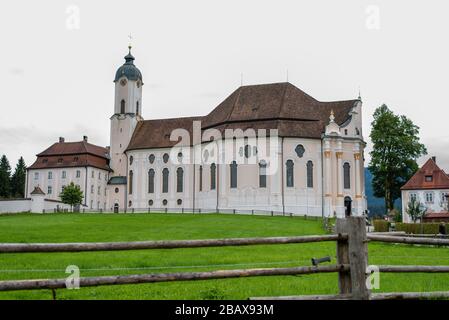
point(85, 138)
point(434, 159)
point(61, 139)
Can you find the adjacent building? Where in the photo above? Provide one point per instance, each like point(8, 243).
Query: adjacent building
point(430, 187)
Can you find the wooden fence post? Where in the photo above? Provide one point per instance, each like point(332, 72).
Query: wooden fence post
point(355, 252)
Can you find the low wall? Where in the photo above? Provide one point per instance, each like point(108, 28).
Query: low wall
point(15, 206)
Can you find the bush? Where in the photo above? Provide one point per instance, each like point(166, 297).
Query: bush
point(418, 228)
point(381, 226)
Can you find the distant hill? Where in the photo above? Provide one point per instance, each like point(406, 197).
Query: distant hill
point(376, 206)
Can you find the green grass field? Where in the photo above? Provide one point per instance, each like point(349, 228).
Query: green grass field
point(132, 227)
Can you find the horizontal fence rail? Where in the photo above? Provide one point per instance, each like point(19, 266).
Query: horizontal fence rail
point(12, 285)
point(408, 240)
point(163, 244)
point(417, 269)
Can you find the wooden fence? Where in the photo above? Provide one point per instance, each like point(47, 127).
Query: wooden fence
point(351, 251)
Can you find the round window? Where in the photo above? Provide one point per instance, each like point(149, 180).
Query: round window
point(300, 150)
point(116, 190)
point(166, 157)
point(179, 201)
point(150, 202)
point(151, 158)
point(164, 202)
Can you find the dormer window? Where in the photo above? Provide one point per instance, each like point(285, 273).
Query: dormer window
point(45, 161)
point(60, 160)
point(75, 159)
point(429, 178)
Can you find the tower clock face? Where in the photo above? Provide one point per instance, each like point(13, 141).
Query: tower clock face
point(123, 82)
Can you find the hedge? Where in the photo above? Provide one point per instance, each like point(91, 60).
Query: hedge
point(381, 226)
point(418, 228)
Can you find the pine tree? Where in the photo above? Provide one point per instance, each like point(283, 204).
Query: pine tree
point(5, 178)
point(18, 179)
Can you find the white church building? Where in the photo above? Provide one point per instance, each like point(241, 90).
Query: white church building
point(267, 147)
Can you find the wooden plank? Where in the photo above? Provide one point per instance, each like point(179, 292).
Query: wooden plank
point(355, 227)
point(344, 277)
point(407, 269)
point(12, 285)
point(410, 295)
point(173, 244)
point(408, 240)
point(308, 297)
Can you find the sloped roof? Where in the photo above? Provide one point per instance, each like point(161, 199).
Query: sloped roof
point(37, 190)
point(72, 148)
point(440, 180)
point(279, 106)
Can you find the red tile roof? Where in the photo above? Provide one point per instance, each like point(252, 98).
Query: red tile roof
point(72, 154)
point(440, 180)
point(279, 106)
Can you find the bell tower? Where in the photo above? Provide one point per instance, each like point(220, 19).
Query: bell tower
point(127, 112)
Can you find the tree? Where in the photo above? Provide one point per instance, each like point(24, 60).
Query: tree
point(416, 210)
point(72, 195)
point(5, 176)
point(18, 179)
point(396, 147)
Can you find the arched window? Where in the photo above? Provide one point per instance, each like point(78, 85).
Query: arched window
point(262, 174)
point(201, 178)
point(137, 107)
point(233, 167)
point(131, 182)
point(290, 179)
point(179, 179)
point(122, 107)
point(165, 180)
point(347, 176)
point(213, 169)
point(309, 174)
point(151, 181)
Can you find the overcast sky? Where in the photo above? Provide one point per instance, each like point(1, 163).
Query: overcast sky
point(58, 61)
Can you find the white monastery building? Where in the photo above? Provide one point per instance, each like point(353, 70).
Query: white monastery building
point(268, 147)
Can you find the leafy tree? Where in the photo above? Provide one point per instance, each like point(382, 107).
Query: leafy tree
point(416, 210)
point(72, 195)
point(396, 147)
point(5, 176)
point(18, 179)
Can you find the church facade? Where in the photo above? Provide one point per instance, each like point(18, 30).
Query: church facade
point(268, 147)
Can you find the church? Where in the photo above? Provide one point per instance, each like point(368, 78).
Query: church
point(265, 148)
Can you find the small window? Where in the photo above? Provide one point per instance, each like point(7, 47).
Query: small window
point(412, 196)
point(179, 180)
point(131, 178)
point(99, 175)
point(290, 173)
point(233, 167)
point(165, 173)
point(122, 107)
point(150, 202)
point(92, 189)
point(346, 132)
point(262, 174)
point(44, 160)
point(347, 176)
point(131, 160)
point(36, 176)
point(116, 190)
point(151, 158)
point(429, 178)
point(99, 190)
point(50, 175)
point(213, 176)
point(179, 202)
point(49, 190)
point(309, 174)
point(429, 197)
point(300, 150)
point(60, 160)
point(165, 157)
point(151, 181)
point(75, 159)
point(78, 173)
point(63, 188)
point(130, 203)
point(164, 202)
point(137, 108)
point(93, 174)
point(64, 174)
point(201, 179)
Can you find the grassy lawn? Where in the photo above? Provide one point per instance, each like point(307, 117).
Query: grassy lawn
point(133, 227)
